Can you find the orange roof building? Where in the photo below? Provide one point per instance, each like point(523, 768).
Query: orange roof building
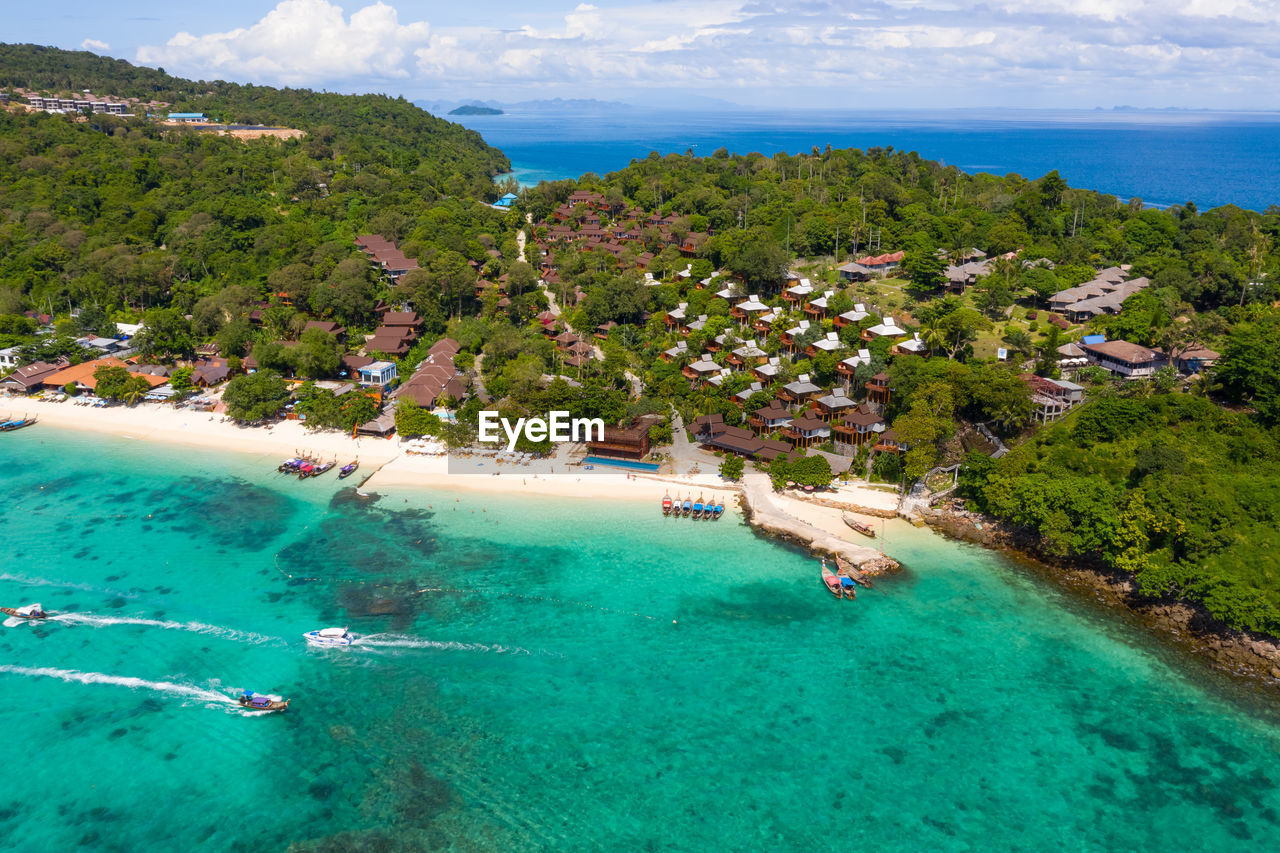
point(82, 374)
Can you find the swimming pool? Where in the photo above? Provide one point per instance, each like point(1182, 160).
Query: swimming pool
point(622, 463)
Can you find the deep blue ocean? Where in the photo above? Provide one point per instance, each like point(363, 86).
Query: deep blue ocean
point(1163, 158)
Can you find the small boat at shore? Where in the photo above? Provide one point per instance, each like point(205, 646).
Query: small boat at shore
point(717, 510)
point(666, 504)
point(10, 424)
point(847, 586)
point(697, 507)
point(329, 637)
point(852, 521)
point(846, 569)
point(686, 507)
point(347, 470)
point(262, 702)
point(832, 582)
point(31, 611)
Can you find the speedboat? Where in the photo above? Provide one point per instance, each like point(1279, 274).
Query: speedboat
point(330, 637)
point(31, 611)
point(262, 701)
point(348, 469)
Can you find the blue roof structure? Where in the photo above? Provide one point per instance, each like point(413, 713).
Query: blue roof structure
point(1094, 339)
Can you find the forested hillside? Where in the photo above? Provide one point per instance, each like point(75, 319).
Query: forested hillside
point(358, 130)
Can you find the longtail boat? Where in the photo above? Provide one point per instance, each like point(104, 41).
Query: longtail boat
point(317, 470)
point(31, 611)
point(666, 504)
point(853, 522)
point(831, 581)
point(11, 424)
point(697, 507)
point(686, 507)
point(717, 510)
point(347, 470)
point(262, 702)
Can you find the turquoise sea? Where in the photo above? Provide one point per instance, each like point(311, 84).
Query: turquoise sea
point(526, 688)
point(1163, 157)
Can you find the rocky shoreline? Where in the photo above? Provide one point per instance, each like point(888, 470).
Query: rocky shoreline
point(1229, 650)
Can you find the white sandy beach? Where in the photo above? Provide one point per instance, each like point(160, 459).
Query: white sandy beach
point(388, 467)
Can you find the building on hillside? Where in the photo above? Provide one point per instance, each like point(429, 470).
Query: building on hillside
point(1127, 360)
point(851, 318)
point(878, 389)
point(806, 431)
point(857, 427)
point(1195, 360)
point(506, 201)
point(769, 418)
point(800, 391)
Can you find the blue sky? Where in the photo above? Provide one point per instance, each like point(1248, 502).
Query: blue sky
point(1222, 54)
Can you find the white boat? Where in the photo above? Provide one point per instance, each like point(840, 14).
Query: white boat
point(330, 637)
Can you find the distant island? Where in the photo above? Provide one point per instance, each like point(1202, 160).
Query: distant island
point(475, 110)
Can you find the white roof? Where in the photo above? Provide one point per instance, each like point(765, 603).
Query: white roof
point(753, 303)
point(888, 327)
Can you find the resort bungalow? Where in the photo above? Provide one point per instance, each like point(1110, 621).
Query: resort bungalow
point(718, 435)
point(379, 374)
point(914, 346)
point(830, 344)
point(817, 309)
point(805, 431)
point(889, 443)
point(747, 311)
point(1052, 397)
point(878, 389)
point(857, 427)
point(676, 317)
point(1130, 361)
point(747, 393)
point(769, 417)
point(851, 318)
point(763, 324)
point(798, 294)
point(679, 352)
point(847, 367)
point(768, 371)
point(749, 354)
point(790, 338)
point(800, 391)
point(886, 328)
point(328, 327)
point(9, 357)
point(832, 405)
point(388, 342)
point(406, 322)
point(703, 367)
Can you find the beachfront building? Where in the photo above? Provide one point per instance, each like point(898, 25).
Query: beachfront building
point(82, 375)
point(378, 374)
point(188, 118)
point(10, 357)
point(30, 378)
point(625, 442)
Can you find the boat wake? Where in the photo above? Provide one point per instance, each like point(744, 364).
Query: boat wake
point(404, 641)
point(180, 691)
point(194, 627)
point(14, 622)
point(26, 581)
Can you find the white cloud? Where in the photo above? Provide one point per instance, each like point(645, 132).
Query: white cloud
point(301, 42)
point(1065, 52)
point(95, 45)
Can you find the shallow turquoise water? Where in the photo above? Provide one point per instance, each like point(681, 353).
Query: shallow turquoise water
point(531, 691)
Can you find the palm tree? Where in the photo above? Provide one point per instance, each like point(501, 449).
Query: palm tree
point(933, 334)
point(1018, 340)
